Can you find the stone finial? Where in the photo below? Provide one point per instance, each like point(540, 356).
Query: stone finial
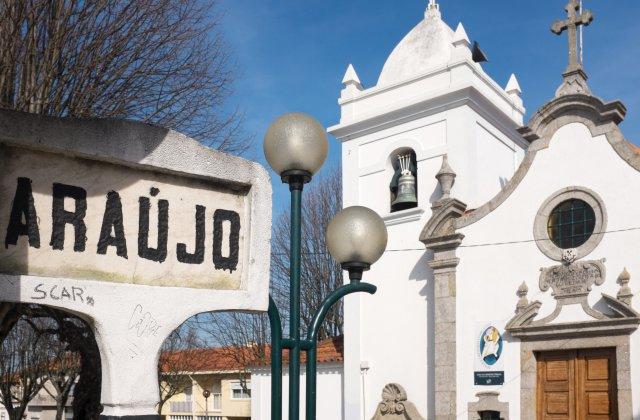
point(514, 91)
point(461, 45)
point(446, 177)
point(395, 405)
point(523, 302)
point(574, 83)
point(625, 294)
point(351, 78)
point(513, 87)
point(460, 37)
point(433, 10)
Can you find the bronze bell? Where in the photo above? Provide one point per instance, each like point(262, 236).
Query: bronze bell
point(406, 195)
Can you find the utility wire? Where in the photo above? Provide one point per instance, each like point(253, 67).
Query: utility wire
point(482, 244)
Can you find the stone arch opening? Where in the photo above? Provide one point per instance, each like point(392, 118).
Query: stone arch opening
point(59, 361)
point(205, 365)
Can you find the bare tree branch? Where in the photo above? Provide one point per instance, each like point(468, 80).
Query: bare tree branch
point(23, 359)
point(245, 336)
point(159, 61)
point(180, 355)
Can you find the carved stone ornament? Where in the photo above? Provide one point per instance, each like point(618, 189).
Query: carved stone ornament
point(395, 406)
point(625, 294)
point(571, 285)
point(569, 255)
point(446, 178)
point(522, 292)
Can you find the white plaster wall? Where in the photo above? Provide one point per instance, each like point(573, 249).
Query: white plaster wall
point(329, 393)
point(488, 276)
point(391, 330)
point(481, 154)
point(395, 322)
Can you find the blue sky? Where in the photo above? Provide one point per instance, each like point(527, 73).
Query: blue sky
point(292, 54)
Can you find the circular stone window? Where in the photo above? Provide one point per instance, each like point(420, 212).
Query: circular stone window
point(571, 224)
point(571, 219)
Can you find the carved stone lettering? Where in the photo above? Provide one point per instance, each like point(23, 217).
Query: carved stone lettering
point(572, 280)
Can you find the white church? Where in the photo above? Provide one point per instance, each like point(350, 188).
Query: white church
point(522, 304)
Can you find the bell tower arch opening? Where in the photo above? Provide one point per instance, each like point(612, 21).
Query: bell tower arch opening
point(403, 189)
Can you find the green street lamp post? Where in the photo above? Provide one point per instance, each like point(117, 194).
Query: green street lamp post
point(296, 147)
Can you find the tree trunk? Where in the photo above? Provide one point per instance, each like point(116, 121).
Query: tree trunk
point(16, 413)
point(59, 409)
point(86, 398)
point(160, 405)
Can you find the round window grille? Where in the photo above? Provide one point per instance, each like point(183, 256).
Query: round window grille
point(571, 223)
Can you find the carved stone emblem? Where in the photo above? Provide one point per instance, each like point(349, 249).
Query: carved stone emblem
point(572, 282)
point(395, 406)
point(569, 255)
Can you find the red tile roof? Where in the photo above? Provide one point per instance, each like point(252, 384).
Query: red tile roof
point(205, 360)
point(229, 359)
point(328, 351)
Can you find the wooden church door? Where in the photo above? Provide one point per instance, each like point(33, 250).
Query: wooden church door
point(577, 385)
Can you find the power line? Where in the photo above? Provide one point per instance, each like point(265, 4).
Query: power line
point(542, 240)
point(481, 245)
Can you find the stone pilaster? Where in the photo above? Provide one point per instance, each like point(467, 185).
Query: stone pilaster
point(439, 235)
point(444, 273)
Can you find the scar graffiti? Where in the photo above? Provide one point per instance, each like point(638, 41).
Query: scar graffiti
point(62, 293)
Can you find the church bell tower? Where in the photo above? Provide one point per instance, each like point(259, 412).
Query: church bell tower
point(433, 108)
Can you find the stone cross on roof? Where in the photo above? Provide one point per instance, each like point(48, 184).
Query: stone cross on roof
point(575, 19)
point(575, 79)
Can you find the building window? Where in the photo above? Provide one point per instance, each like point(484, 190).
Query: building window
point(571, 223)
point(238, 392)
point(404, 183)
point(217, 402)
